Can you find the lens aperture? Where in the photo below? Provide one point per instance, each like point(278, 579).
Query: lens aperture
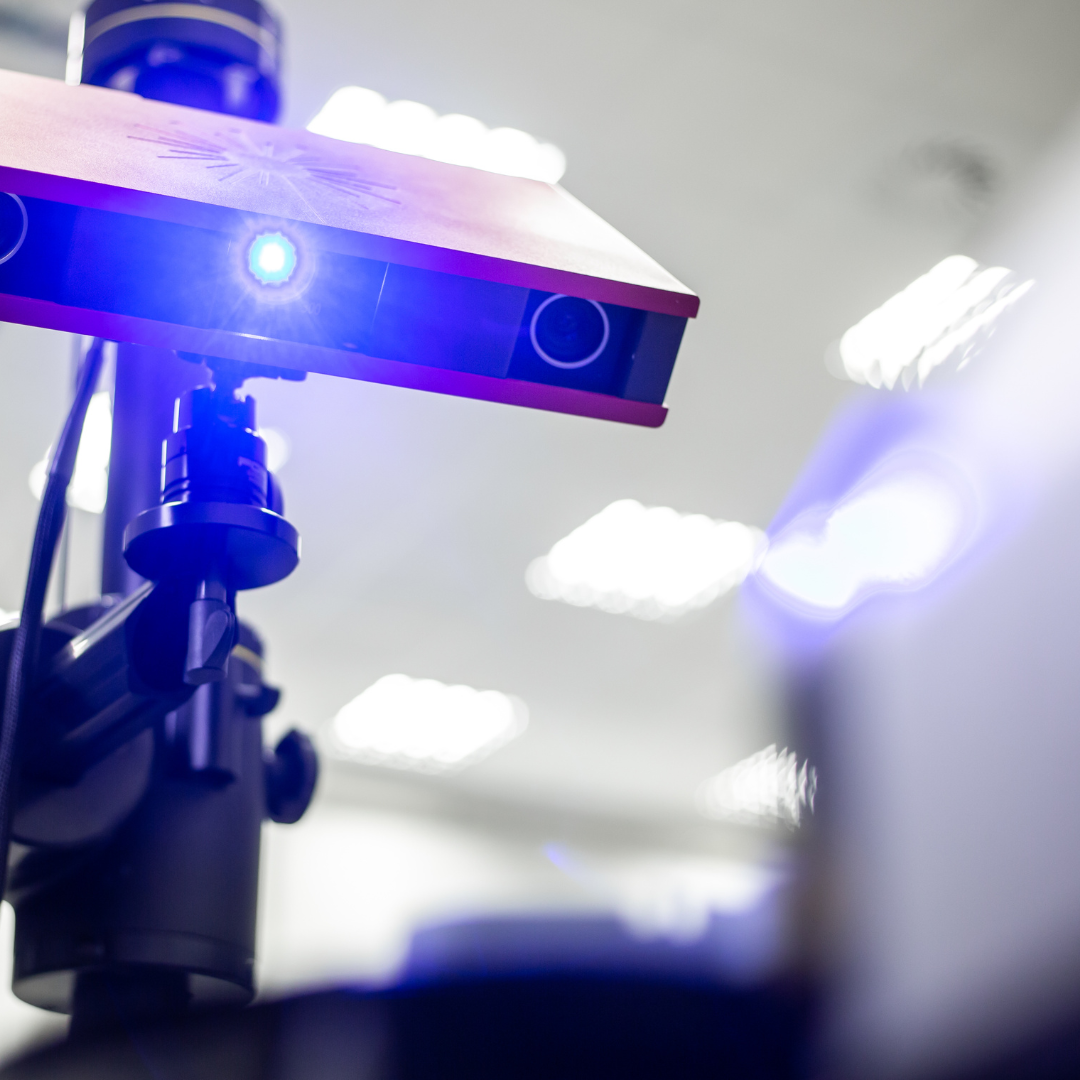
point(569, 332)
point(12, 225)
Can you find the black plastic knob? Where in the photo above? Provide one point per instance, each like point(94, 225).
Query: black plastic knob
point(291, 774)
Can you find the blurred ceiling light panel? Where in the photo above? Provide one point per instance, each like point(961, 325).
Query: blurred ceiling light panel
point(894, 534)
point(767, 788)
point(944, 315)
point(354, 114)
point(650, 562)
point(424, 725)
point(90, 481)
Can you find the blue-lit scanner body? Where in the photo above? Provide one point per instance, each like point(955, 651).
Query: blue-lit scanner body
point(181, 229)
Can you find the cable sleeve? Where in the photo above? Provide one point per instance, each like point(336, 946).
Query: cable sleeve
point(24, 649)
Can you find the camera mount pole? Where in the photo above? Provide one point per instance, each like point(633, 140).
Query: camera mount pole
point(158, 913)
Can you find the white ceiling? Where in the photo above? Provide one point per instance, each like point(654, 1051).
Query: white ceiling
point(794, 163)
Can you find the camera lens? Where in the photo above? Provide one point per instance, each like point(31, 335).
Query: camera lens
point(569, 332)
point(12, 225)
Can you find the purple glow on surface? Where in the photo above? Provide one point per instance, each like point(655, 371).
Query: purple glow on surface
point(885, 506)
point(894, 532)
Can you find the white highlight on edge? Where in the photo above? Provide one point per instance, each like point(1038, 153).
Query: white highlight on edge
point(278, 448)
point(76, 37)
point(650, 562)
point(767, 788)
point(897, 532)
point(90, 481)
point(355, 114)
point(943, 315)
point(425, 725)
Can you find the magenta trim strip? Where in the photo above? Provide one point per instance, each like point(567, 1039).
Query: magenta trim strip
point(338, 362)
point(364, 245)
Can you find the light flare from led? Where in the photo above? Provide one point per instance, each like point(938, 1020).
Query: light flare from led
point(650, 562)
point(942, 316)
point(355, 114)
point(893, 534)
point(272, 258)
point(424, 725)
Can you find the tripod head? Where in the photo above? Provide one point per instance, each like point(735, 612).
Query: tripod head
point(219, 526)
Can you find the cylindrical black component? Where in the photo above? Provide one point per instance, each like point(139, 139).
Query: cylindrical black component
point(213, 453)
point(220, 55)
point(175, 889)
point(109, 1001)
point(259, 546)
point(148, 382)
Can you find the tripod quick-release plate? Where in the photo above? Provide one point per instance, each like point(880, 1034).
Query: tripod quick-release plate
point(260, 547)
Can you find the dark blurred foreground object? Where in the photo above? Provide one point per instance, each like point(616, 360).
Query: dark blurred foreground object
point(556, 1026)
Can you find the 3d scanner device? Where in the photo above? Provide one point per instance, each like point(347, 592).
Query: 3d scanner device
point(161, 225)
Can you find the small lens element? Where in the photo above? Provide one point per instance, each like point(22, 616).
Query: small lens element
point(13, 224)
point(569, 332)
point(272, 258)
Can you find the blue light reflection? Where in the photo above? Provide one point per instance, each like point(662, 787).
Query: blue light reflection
point(894, 532)
point(887, 504)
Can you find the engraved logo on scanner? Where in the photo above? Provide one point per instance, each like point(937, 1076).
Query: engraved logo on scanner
point(234, 154)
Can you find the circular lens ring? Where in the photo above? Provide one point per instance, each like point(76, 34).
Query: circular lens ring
point(569, 364)
point(25, 225)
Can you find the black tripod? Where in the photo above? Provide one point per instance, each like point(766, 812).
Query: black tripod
point(134, 869)
point(133, 782)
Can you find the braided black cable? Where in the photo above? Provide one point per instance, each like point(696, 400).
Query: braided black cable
point(24, 650)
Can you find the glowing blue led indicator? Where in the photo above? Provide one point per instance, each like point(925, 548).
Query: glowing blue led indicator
point(272, 258)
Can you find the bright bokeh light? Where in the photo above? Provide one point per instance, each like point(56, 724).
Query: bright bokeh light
point(90, 481)
point(272, 258)
point(767, 788)
point(425, 725)
point(365, 116)
point(651, 562)
point(942, 316)
point(896, 533)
